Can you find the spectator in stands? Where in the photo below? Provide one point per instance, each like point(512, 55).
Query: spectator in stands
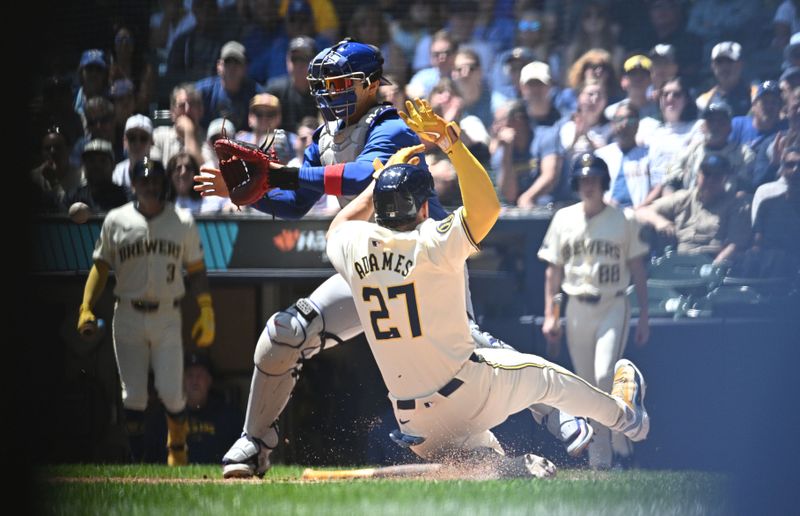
point(185, 133)
point(664, 68)
point(785, 23)
point(777, 187)
point(718, 20)
point(627, 161)
point(265, 41)
point(99, 115)
point(726, 63)
point(682, 173)
point(679, 126)
point(124, 100)
point(326, 19)
point(128, 62)
point(791, 52)
point(169, 23)
point(595, 32)
point(418, 20)
point(442, 56)
point(228, 93)
point(292, 90)
point(777, 222)
point(393, 92)
point(194, 52)
point(705, 219)
point(99, 192)
point(138, 140)
point(789, 80)
point(446, 100)
point(93, 76)
point(593, 67)
point(759, 129)
point(588, 128)
point(264, 119)
point(467, 74)
point(213, 419)
point(504, 79)
point(181, 168)
point(524, 160)
point(55, 178)
point(57, 110)
point(669, 27)
point(536, 85)
point(635, 82)
point(367, 24)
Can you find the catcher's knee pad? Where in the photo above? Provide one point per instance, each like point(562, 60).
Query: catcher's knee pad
point(290, 335)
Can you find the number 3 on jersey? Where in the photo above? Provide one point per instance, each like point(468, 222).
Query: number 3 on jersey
point(382, 312)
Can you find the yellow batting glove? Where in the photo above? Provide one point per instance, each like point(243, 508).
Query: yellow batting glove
point(429, 126)
point(87, 322)
point(404, 155)
point(203, 330)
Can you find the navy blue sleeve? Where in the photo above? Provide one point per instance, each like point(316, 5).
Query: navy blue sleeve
point(387, 137)
point(288, 204)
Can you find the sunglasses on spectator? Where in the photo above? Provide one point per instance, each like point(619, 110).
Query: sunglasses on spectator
point(102, 120)
point(529, 26)
point(789, 165)
point(671, 93)
point(595, 66)
point(441, 53)
point(137, 138)
point(266, 114)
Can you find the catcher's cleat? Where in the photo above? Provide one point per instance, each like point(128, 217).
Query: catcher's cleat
point(247, 457)
point(629, 386)
point(576, 433)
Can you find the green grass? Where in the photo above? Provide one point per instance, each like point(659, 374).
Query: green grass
point(571, 492)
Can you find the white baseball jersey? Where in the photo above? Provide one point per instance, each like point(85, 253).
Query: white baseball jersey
point(409, 293)
point(148, 256)
point(594, 252)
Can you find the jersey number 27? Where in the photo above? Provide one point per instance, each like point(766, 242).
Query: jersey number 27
point(382, 312)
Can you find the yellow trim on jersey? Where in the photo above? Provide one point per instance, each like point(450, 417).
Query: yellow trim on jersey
point(466, 231)
point(195, 267)
point(540, 366)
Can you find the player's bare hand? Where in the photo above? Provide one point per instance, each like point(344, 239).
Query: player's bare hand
point(429, 126)
point(210, 182)
point(642, 330)
point(552, 333)
point(87, 322)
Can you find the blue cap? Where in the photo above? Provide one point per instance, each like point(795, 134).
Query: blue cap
point(720, 107)
point(714, 164)
point(94, 57)
point(767, 87)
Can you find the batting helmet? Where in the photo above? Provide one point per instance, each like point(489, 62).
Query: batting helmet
point(334, 72)
point(587, 165)
point(400, 191)
point(149, 168)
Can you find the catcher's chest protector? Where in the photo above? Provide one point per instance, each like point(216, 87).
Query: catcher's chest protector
point(345, 145)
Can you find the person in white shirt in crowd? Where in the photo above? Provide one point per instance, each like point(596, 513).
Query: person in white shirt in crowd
point(185, 133)
point(138, 140)
point(627, 162)
point(635, 82)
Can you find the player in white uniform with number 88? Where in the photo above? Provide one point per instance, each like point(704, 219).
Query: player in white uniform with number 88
point(593, 250)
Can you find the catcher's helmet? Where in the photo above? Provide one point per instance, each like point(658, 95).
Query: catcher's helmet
point(586, 165)
point(399, 193)
point(150, 168)
point(334, 72)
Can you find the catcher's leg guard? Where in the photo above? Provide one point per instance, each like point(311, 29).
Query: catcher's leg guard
point(177, 432)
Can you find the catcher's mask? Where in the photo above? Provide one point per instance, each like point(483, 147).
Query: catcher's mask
point(153, 170)
point(400, 191)
point(334, 73)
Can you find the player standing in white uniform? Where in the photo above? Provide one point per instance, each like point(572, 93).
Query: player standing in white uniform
point(406, 275)
point(593, 250)
point(344, 80)
point(148, 242)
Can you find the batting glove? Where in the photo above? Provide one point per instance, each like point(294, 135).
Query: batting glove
point(429, 126)
point(203, 330)
point(404, 155)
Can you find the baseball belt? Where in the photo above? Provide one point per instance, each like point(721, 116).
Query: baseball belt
point(593, 299)
point(150, 306)
point(449, 388)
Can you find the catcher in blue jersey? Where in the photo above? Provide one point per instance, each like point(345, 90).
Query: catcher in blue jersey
point(357, 132)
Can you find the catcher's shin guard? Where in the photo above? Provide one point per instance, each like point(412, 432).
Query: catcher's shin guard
point(177, 432)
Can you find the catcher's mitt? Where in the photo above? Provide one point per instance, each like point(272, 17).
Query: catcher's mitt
point(246, 169)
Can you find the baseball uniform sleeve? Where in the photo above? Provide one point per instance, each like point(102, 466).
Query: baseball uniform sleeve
point(448, 241)
point(551, 245)
point(193, 247)
point(337, 244)
point(103, 248)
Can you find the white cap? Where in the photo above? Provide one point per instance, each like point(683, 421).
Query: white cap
point(215, 127)
point(535, 71)
point(139, 122)
point(727, 49)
